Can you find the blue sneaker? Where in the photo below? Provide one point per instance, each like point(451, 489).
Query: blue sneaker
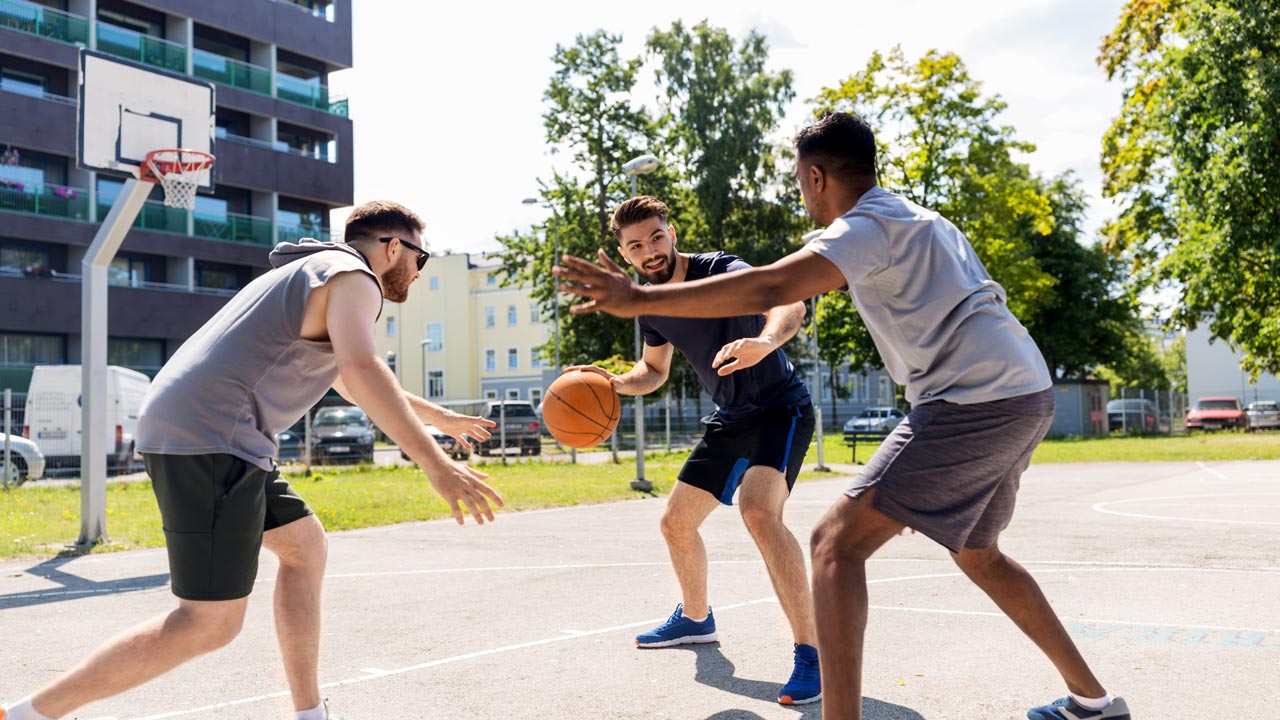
point(679, 630)
point(805, 685)
point(1068, 709)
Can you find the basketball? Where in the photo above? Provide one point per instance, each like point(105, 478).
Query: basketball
point(581, 409)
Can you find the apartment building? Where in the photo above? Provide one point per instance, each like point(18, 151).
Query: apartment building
point(284, 160)
point(461, 335)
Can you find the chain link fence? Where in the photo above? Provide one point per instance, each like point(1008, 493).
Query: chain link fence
point(1138, 411)
point(42, 434)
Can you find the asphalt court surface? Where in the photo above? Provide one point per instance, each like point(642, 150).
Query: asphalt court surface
point(1167, 575)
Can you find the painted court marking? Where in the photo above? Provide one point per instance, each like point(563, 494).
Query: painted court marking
point(1083, 627)
point(1108, 508)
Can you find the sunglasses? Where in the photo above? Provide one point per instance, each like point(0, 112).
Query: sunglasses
point(423, 255)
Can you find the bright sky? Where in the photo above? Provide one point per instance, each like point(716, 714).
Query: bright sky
point(447, 98)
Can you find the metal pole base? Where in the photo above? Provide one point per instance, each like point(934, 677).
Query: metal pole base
point(641, 485)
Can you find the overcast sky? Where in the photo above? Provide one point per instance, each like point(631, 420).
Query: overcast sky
point(447, 101)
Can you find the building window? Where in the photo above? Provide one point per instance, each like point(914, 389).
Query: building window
point(128, 271)
point(490, 394)
point(488, 317)
point(217, 276)
point(535, 358)
point(23, 258)
point(511, 315)
point(535, 396)
point(491, 279)
point(136, 354)
point(435, 337)
point(22, 83)
point(513, 393)
point(391, 327)
point(490, 360)
point(534, 316)
point(513, 359)
point(23, 350)
point(434, 282)
point(435, 384)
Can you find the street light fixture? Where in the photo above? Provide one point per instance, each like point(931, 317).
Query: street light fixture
point(642, 165)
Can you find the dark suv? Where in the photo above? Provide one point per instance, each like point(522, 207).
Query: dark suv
point(523, 427)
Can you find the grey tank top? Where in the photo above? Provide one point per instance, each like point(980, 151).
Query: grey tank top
point(247, 374)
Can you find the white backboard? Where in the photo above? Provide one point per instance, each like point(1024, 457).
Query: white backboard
point(128, 110)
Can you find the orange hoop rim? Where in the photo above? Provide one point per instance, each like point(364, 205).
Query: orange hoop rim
point(156, 166)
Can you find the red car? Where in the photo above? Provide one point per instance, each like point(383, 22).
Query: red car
point(1215, 413)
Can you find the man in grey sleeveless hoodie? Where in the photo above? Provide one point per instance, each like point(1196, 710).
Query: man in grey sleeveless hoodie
point(207, 432)
point(980, 393)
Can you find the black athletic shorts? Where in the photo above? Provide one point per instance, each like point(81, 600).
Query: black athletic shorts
point(778, 438)
point(215, 509)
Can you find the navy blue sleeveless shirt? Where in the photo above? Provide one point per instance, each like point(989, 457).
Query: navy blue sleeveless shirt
point(770, 383)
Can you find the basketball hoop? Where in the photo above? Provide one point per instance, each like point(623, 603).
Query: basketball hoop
point(179, 171)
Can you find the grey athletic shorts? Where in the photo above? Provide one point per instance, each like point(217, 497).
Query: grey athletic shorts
point(951, 472)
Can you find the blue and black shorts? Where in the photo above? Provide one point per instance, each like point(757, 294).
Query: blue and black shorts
point(777, 437)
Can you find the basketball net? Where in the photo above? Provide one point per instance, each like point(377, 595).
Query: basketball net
point(179, 171)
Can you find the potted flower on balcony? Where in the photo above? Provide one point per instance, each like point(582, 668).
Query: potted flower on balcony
point(9, 158)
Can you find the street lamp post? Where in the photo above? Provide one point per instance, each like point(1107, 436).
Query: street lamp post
point(817, 373)
point(642, 165)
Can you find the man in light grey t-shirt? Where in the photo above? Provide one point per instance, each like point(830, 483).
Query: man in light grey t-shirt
point(980, 392)
point(207, 433)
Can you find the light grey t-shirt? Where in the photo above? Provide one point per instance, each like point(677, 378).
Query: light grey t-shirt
point(938, 319)
point(247, 374)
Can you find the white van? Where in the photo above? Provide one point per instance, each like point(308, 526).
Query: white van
point(53, 414)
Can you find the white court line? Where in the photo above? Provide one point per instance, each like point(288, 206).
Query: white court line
point(1211, 471)
point(1102, 508)
point(378, 673)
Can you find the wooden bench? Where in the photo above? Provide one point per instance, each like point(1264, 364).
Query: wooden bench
point(851, 439)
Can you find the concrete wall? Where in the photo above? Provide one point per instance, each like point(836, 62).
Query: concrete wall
point(1213, 369)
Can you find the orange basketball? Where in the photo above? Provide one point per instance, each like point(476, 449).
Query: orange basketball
point(581, 409)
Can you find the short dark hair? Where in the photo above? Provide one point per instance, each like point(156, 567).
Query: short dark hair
point(840, 143)
point(637, 209)
point(380, 218)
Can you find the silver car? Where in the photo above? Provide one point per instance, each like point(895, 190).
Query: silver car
point(1263, 414)
point(27, 460)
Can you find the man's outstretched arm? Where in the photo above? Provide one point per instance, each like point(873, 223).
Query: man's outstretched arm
point(796, 277)
point(780, 325)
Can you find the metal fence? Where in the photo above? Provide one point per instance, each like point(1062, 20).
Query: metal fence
point(41, 438)
point(1137, 411)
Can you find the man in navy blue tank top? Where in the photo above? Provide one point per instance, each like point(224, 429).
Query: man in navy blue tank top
point(754, 443)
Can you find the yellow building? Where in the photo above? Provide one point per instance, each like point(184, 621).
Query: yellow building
point(462, 336)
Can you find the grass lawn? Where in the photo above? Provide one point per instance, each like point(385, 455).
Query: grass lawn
point(39, 521)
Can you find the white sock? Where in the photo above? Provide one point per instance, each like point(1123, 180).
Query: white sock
point(315, 713)
point(23, 711)
point(701, 619)
point(1092, 703)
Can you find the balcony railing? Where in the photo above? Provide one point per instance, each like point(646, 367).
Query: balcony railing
point(311, 94)
point(293, 233)
point(141, 48)
point(319, 153)
point(235, 228)
point(44, 22)
point(48, 200)
point(74, 279)
point(18, 88)
point(235, 73)
point(324, 12)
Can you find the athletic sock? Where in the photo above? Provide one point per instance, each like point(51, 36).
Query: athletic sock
point(315, 713)
point(1092, 703)
point(697, 620)
point(23, 711)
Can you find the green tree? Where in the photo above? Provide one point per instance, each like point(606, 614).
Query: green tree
point(1194, 160)
point(1139, 366)
point(1089, 319)
point(940, 145)
point(843, 338)
point(719, 105)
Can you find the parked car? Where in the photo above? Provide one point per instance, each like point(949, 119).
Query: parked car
point(26, 459)
point(341, 433)
point(291, 441)
point(875, 419)
point(524, 428)
point(1133, 415)
point(1262, 414)
point(451, 447)
point(1216, 413)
